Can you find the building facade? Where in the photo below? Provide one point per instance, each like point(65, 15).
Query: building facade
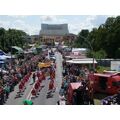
point(51, 33)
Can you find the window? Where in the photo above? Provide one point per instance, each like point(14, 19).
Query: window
point(103, 82)
point(117, 83)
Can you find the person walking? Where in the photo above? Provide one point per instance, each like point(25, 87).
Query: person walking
point(91, 94)
point(34, 77)
point(51, 85)
point(7, 90)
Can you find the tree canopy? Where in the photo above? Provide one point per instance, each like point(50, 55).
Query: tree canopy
point(105, 38)
point(11, 37)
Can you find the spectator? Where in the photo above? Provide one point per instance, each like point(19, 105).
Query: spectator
point(118, 98)
point(34, 77)
point(75, 98)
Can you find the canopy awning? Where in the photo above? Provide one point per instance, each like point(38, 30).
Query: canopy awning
point(2, 62)
point(78, 49)
point(18, 48)
point(82, 61)
point(2, 57)
point(75, 57)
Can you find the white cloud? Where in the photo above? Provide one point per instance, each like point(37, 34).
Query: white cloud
point(48, 18)
point(4, 24)
point(52, 19)
point(88, 23)
point(18, 16)
point(21, 25)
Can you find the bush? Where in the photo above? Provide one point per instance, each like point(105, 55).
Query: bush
point(100, 69)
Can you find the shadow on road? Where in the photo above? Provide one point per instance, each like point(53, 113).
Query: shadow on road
point(49, 94)
point(19, 95)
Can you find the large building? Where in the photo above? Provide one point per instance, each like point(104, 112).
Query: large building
point(51, 33)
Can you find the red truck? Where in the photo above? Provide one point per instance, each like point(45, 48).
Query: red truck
point(106, 82)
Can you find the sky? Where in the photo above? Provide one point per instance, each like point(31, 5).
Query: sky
point(32, 24)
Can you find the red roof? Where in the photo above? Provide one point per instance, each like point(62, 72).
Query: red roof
point(102, 75)
point(117, 78)
point(106, 75)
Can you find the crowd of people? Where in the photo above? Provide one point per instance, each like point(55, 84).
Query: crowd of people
point(76, 74)
point(16, 70)
point(111, 100)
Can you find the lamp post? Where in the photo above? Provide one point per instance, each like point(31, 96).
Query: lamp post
point(90, 48)
point(11, 55)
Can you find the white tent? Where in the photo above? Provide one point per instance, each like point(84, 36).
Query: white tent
point(82, 61)
point(2, 57)
point(79, 49)
point(2, 62)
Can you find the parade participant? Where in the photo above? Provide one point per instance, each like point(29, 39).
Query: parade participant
point(20, 89)
point(38, 74)
point(52, 76)
point(51, 85)
point(43, 75)
point(37, 85)
point(33, 92)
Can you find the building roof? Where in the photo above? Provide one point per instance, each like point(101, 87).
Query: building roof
point(17, 48)
point(82, 61)
point(115, 75)
point(75, 56)
point(102, 75)
point(54, 29)
point(79, 49)
point(70, 34)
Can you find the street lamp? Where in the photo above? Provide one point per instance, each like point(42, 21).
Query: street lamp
point(11, 54)
point(90, 48)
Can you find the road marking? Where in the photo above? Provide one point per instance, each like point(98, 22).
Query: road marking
point(29, 94)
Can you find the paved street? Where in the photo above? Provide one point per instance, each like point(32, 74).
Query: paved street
point(43, 97)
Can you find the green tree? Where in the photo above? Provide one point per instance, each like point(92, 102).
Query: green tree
point(107, 37)
point(11, 37)
point(101, 54)
point(80, 42)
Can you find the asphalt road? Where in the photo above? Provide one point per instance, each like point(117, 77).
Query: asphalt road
point(43, 98)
